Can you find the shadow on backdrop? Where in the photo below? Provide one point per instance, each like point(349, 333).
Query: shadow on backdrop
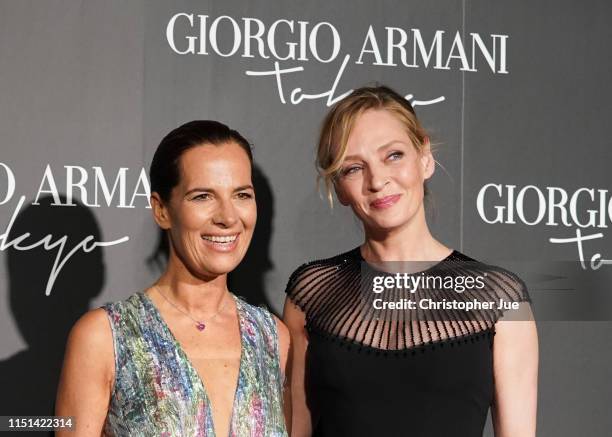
point(29, 378)
point(248, 279)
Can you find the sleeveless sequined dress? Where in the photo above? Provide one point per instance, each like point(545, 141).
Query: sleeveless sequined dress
point(158, 392)
point(388, 372)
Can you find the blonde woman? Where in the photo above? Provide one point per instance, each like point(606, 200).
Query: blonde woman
point(362, 365)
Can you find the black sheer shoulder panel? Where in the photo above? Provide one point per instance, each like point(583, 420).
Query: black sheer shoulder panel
point(332, 296)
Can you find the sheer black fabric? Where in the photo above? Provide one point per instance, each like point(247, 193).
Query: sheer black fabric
point(388, 372)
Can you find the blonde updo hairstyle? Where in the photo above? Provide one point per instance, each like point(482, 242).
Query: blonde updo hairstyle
point(339, 122)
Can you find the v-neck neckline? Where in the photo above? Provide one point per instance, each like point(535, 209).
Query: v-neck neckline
point(190, 365)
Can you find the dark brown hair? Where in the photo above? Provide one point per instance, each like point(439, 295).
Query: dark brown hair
point(164, 173)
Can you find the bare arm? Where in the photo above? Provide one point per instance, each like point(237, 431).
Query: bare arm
point(284, 344)
point(515, 369)
point(87, 375)
point(301, 418)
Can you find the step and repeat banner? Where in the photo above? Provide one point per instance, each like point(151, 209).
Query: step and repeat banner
point(515, 96)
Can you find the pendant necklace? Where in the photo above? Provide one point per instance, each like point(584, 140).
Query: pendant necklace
point(200, 325)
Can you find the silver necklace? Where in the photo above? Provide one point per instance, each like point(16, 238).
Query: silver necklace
point(200, 325)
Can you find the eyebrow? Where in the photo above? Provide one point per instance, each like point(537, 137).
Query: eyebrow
point(390, 143)
point(211, 190)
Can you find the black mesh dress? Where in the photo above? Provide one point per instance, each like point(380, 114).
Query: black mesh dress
point(411, 372)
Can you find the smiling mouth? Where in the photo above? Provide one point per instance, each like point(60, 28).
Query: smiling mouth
point(386, 201)
point(221, 243)
point(220, 239)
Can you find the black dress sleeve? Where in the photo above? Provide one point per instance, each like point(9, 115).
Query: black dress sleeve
point(332, 295)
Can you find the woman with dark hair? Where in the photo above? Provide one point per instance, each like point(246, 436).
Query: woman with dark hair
point(185, 357)
point(373, 356)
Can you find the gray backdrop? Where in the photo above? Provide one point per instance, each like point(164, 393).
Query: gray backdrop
point(88, 85)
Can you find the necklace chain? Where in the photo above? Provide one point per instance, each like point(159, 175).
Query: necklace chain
point(200, 325)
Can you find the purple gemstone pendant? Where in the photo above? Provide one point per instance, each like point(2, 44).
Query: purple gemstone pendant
point(200, 326)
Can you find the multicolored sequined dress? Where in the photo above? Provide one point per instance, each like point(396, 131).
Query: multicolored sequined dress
point(158, 392)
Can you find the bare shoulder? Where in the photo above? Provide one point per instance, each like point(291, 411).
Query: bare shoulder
point(91, 340)
point(522, 312)
point(93, 326)
point(292, 311)
point(88, 371)
point(517, 329)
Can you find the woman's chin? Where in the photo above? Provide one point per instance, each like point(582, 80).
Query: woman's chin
point(387, 224)
point(218, 269)
point(221, 263)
